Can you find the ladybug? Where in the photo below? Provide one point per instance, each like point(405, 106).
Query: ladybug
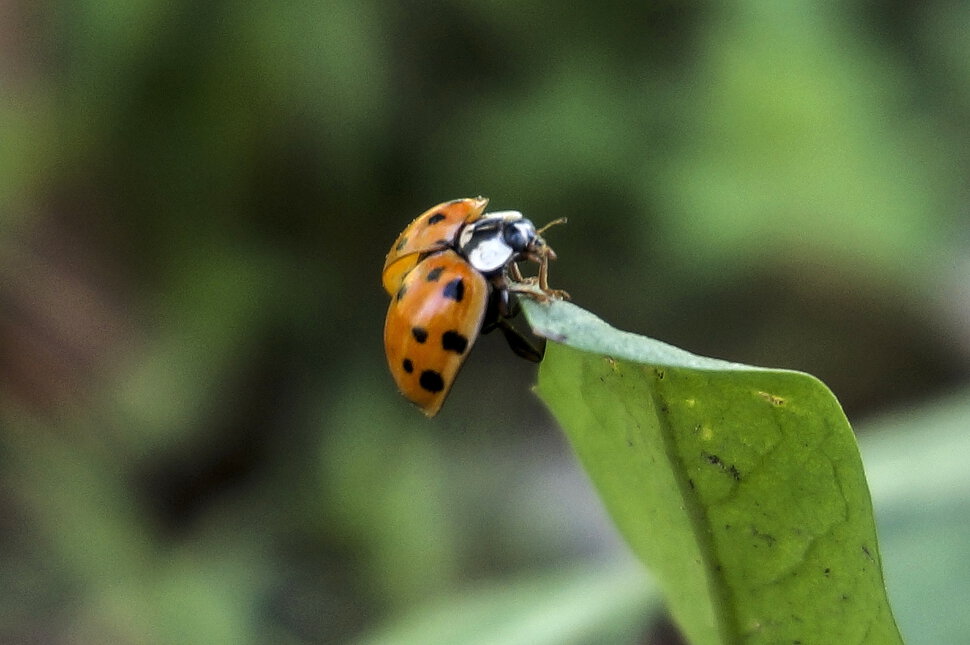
point(450, 275)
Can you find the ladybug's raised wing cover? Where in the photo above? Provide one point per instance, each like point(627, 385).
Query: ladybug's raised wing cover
point(433, 230)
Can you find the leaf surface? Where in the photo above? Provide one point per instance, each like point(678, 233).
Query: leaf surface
point(741, 488)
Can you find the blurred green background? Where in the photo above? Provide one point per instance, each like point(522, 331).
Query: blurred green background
point(199, 440)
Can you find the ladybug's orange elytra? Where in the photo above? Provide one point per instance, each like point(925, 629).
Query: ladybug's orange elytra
point(432, 325)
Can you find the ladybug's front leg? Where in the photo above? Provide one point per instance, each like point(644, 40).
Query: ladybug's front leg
point(515, 274)
point(556, 294)
point(527, 286)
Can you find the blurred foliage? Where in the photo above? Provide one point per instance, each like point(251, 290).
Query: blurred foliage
point(917, 471)
point(199, 441)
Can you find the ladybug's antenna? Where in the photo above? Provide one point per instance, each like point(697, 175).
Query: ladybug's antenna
point(561, 220)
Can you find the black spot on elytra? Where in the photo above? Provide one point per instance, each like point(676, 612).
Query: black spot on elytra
point(431, 381)
point(452, 341)
point(408, 365)
point(455, 290)
point(434, 219)
point(400, 245)
point(420, 334)
point(434, 274)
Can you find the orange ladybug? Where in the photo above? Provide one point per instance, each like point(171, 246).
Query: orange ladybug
point(450, 275)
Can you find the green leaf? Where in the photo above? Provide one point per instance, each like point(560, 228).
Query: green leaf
point(741, 488)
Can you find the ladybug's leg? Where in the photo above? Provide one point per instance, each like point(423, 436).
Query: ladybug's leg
point(527, 286)
point(544, 273)
point(540, 255)
point(500, 303)
point(521, 345)
point(557, 294)
point(501, 307)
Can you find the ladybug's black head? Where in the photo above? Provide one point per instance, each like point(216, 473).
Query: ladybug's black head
point(496, 240)
point(520, 235)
